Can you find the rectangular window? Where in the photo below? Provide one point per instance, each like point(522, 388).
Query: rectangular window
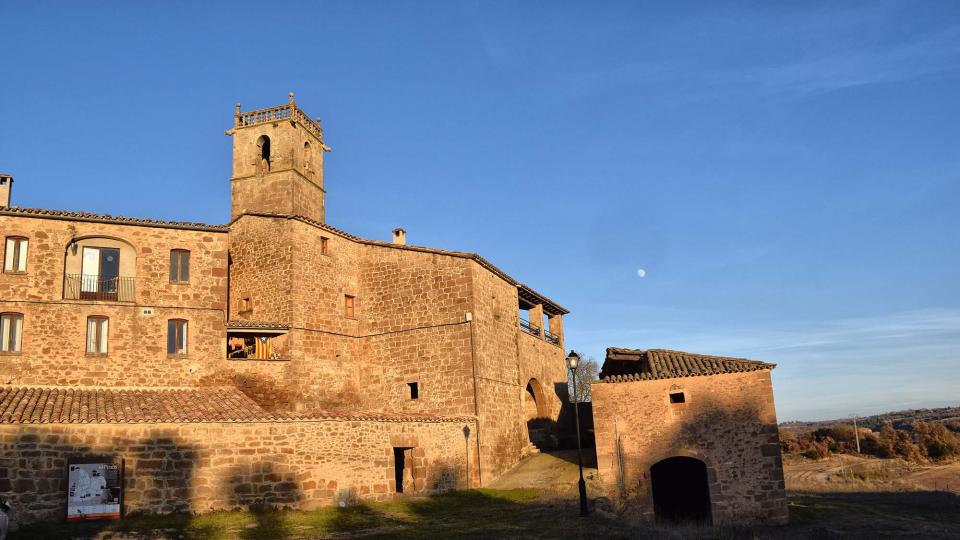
point(179, 266)
point(15, 255)
point(414, 390)
point(349, 306)
point(677, 398)
point(97, 334)
point(177, 337)
point(324, 245)
point(11, 330)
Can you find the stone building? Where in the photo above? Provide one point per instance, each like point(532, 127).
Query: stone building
point(274, 359)
point(689, 437)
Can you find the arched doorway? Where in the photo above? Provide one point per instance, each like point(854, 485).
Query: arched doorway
point(681, 493)
point(534, 405)
point(535, 413)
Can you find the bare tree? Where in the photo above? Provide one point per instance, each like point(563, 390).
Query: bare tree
point(587, 372)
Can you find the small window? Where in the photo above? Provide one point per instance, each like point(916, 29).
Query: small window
point(324, 245)
point(179, 266)
point(677, 398)
point(414, 390)
point(11, 332)
point(246, 305)
point(15, 256)
point(177, 337)
point(349, 306)
point(97, 334)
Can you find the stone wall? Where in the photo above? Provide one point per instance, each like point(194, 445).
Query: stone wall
point(410, 324)
point(200, 467)
point(728, 421)
point(501, 372)
point(54, 333)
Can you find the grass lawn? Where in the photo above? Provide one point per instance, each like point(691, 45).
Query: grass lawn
point(529, 513)
point(478, 513)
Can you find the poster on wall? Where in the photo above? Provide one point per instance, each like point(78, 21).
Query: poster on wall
point(94, 488)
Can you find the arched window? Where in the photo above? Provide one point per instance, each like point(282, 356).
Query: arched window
point(97, 334)
point(11, 332)
point(15, 255)
point(307, 156)
point(263, 144)
point(177, 337)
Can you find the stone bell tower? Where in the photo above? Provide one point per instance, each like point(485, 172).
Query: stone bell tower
point(277, 162)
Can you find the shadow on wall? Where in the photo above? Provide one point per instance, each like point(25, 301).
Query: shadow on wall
point(710, 432)
point(566, 427)
point(265, 391)
point(261, 489)
point(157, 477)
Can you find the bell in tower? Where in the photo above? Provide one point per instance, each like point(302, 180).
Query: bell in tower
point(277, 162)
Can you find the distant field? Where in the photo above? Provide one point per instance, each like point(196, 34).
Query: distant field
point(854, 473)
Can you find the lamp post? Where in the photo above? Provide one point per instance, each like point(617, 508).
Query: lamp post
point(573, 360)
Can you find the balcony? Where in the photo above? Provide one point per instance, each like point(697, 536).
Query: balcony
point(550, 338)
point(93, 287)
point(529, 328)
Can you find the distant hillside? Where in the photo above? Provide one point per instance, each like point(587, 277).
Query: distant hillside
point(899, 419)
point(918, 436)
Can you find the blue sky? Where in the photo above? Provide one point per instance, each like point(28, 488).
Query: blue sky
point(786, 173)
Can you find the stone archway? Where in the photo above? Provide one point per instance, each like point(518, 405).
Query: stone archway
point(536, 413)
point(681, 491)
point(534, 403)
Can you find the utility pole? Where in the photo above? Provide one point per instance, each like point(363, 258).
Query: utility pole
point(856, 433)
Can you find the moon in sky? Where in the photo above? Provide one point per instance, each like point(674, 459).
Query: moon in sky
point(641, 272)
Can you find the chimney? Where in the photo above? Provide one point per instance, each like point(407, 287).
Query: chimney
point(399, 237)
point(6, 184)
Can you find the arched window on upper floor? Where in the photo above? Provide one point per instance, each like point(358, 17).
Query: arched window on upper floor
point(263, 144)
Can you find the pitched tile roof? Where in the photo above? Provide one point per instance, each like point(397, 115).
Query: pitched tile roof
point(376, 416)
point(524, 291)
point(247, 325)
point(107, 218)
point(549, 306)
point(86, 405)
point(622, 365)
point(75, 405)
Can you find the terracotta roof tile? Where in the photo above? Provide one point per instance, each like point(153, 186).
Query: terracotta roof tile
point(85, 405)
point(107, 218)
point(257, 324)
point(549, 305)
point(70, 405)
point(623, 365)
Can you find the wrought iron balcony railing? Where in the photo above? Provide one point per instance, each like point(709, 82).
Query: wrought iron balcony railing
point(93, 287)
point(529, 328)
point(550, 338)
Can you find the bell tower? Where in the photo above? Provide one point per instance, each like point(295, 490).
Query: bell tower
point(277, 162)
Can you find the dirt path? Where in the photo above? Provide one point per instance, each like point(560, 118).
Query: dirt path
point(552, 472)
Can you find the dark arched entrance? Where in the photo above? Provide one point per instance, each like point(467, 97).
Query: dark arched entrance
point(536, 415)
point(681, 493)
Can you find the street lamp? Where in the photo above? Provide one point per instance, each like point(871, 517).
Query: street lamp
point(573, 360)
